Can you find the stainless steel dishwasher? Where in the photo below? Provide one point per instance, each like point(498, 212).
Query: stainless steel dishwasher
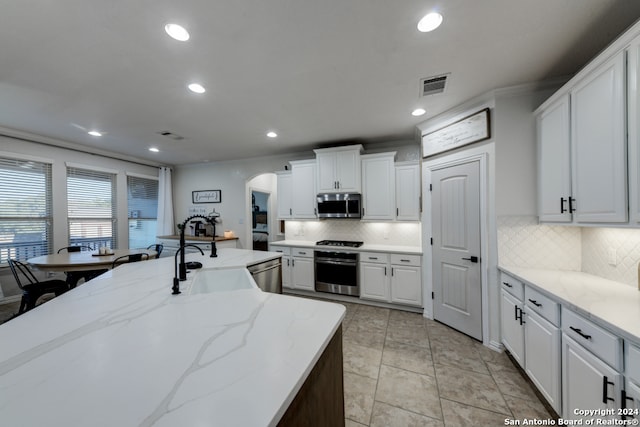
point(268, 275)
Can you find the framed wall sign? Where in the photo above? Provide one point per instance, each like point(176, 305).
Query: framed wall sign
point(206, 196)
point(467, 130)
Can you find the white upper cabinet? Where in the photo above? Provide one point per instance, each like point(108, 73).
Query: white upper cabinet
point(379, 190)
point(407, 191)
point(598, 140)
point(554, 159)
point(582, 160)
point(303, 191)
point(338, 169)
point(633, 123)
point(285, 195)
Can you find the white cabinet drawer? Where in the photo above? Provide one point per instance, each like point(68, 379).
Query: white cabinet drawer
point(632, 363)
point(284, 250)
point(543, 305)
point(600, 342)
point(512, 285)
point(374, 257)
point(399, 259)
point(302, 252)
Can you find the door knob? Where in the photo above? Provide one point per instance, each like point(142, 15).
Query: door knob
point(471, 258)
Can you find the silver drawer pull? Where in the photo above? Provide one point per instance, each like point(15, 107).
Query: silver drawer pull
point(405, 260)
point(373, 257)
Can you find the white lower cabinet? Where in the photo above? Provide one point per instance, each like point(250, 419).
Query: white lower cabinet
point(630, 399)
point(406, 279)
point(391, 278)
point(374, 276)
point(587, 381)
point(374, 281)
point(297, 267)
point(302, 269)
point(512, 327)
point(530, 332)
point(542, 356)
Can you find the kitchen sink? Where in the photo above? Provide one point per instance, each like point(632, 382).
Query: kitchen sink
point(210, 280)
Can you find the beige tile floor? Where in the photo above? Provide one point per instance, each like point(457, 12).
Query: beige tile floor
point(401, 369)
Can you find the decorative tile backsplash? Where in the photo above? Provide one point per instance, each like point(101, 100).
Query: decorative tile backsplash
point(611, 253)
point(522, 242)
point(604, 247)
point(374, 233)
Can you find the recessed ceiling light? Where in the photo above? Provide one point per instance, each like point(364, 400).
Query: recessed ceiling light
point(272, 134)
point(430, 22)
point(418, 112)
point(197, 88)
point(154, 149)
point(177, 32)
point(94, 133)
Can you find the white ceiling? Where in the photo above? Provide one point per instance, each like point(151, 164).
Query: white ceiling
point(318, 72)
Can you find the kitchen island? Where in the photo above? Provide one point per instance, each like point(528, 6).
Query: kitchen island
point(121, 350)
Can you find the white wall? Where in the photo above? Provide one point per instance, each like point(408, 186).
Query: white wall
point(516, 160)
point(231, 177)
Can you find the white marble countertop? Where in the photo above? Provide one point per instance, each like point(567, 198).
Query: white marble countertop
point(409, 250)
point(122, 351)
point(613, 305)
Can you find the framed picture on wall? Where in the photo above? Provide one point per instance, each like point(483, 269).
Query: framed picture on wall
point(206, 196)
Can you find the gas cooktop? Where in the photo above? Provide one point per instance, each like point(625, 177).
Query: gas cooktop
point(348, 243)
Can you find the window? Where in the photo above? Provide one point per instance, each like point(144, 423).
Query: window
point(91, 199)
point(142, 198)
point(25, 209)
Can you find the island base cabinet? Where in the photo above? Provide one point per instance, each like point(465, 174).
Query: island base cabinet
point(542, 357)
point(587, 382)
point(320, 401)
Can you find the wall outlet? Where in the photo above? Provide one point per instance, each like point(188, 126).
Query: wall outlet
point(612, 255)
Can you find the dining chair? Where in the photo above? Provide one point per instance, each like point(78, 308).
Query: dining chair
point(124, 259)
point(74, 276)
point(76, 248)
point(156, 247)
point(31, 287)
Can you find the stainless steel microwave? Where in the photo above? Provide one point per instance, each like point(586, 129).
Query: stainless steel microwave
point(339, 205)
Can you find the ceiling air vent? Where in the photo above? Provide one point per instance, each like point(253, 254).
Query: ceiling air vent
point(171, 135)
point(433, 85)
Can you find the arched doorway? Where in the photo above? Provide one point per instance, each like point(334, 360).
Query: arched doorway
point(261, 197)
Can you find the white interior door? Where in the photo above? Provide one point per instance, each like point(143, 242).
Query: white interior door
point(457, 284)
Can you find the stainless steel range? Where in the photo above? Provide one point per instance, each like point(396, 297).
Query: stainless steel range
point(337, 268)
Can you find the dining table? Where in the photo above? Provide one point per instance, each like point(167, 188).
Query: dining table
point(85, 264)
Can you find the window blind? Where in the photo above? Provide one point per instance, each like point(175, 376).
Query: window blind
point(25, 209)
point(142, 200)
point(91, 201)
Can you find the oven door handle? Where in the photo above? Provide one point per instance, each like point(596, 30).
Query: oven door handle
point(334, 262)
